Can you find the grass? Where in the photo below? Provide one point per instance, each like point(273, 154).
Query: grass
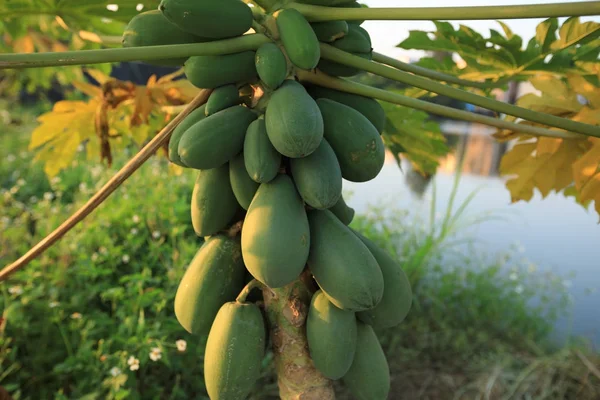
point(73, 319)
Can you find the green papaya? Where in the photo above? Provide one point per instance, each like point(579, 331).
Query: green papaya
point(330, 31)
point(216, 19)
point(342, 211)
point(213, 201)
point(331, 334)
point(221, 98)
point(354, 41)
point(356, 142)
point(318, 177)
point(271, 65)
point(209, 72)
point(363, 31)
point(367, 106)
point(397, 294)
point(298, 38)
point(369, 375)
point(261, 159)
point(142, 31)
point(234, 351)
point(293, 120)
point(197, 115)
point(215, 140)
point(342, 265)
point(336, 69)
point(215, 276)
point(244, 188)
point(275, 234)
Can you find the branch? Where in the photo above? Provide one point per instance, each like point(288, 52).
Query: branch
point(428, 73)
point(319, 13)
point(140, 158)
point(331, 53)
point(344, 85)
point(219, 47)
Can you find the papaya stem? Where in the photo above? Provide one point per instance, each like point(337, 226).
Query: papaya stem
point(331, 53)
point(575, 9)
point(428, 73)
point(99, 197)
point(344, 85)
point(287, 309)
point(80, 57)
point(253, 284)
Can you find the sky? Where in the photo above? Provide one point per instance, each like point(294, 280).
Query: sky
point(387, 34)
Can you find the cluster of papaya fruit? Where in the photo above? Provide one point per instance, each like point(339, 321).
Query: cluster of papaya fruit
point(271, 155)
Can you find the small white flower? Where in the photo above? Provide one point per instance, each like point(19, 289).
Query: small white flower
point(55, 180)
point(48, 196)
point(10, 158)
point(156, 234)
point(519, 289)
point(133, 231)
point(80, 148)
point(76, 315)
point(134, 363)
point(94, 257)
point(54, 210)
point(15, 290)
point(567, 283)
point(155, 354)
point(114, 371)
point(82, 187)
point(14, 189)
point(53, 304)
point(181, 345)
point(136, 219)
point(103, 250)
point(33, 199)
point(513, 276)
point(139, 7)
point(531, 268)
point(125, 258)
point(21, 182)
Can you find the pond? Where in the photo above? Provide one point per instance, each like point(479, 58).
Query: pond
point(554, 233)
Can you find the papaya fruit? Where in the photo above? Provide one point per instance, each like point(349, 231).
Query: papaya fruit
point(271, 65)
point(369, 376)
point(209, 72)
point(397, 294)
point(342, 211)
point(215, 276)
point(367, 106)
point(142, 31)
point(293, 121)
point(215, 140)
point(298, 38)
point(221, 98)
point(354, 41)
point(244, 188)
point(234, 351)
point(197, 115)
point(342, 265)
point(362, 30)
point(261, 158)
point(336, 69)
point(356, 142)
point(275, 234)
point(331, 334)
point(213, 201)
point(330, 31)
point(216, 19)
point(318, 177)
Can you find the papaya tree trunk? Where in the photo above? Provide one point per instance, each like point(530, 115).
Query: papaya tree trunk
point(298, 379)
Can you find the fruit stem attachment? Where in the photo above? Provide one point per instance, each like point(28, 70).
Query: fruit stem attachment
point(117, 180)
point(287, 309)
point(574, 9)
point(80, 57)
point(253, 284)
point(428, 73)
point(344, 85)
point(331, 53)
